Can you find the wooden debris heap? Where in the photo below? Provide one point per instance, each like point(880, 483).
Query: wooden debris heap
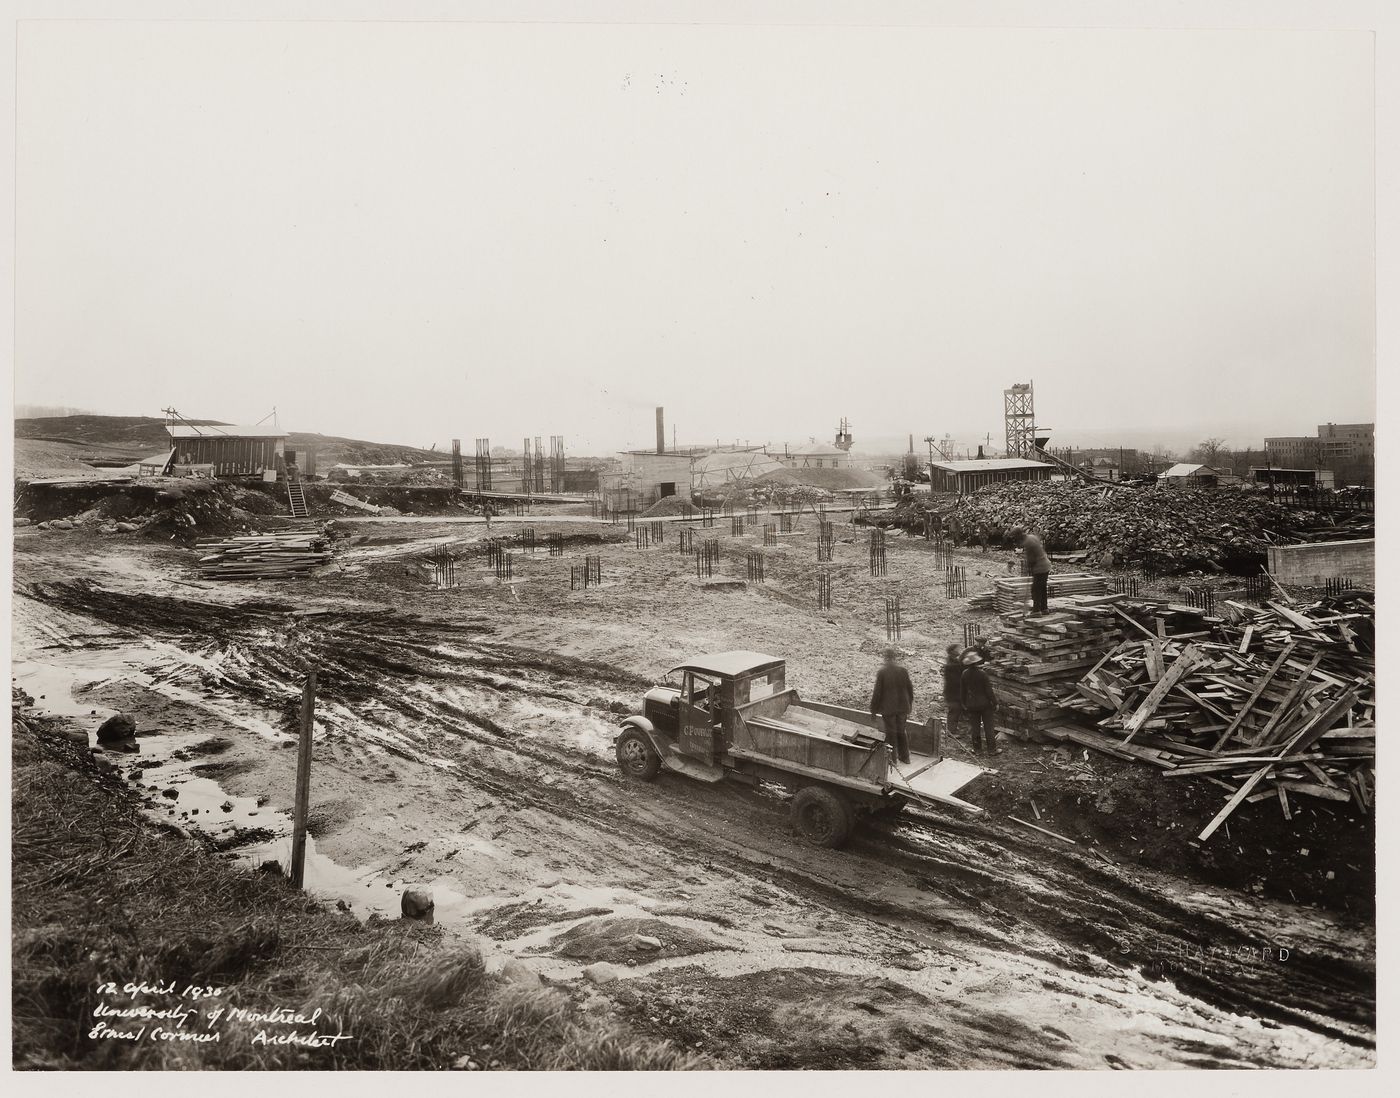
point(1038, 659)
point(1281, 702)
point(263, 556)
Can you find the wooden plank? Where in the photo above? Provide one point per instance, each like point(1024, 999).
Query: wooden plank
point(1135, 624)
point(1301, 621)
point(1154, 661)
point(1043, 830)
point(1283, 801)
point(1313, 789)
point(1254, 697)
point(1283, 707)
point(1244, 642)
point(1183, 666)
point(1233, 803)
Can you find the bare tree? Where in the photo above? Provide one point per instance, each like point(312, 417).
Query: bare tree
point(1211, 451)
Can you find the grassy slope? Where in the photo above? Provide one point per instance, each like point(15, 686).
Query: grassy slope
point(102, 894)
point(147, 434)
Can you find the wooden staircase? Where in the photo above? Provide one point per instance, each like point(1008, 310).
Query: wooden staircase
point(296, 496)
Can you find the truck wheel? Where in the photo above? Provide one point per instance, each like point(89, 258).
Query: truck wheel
point(636, 758)
point(821, 817)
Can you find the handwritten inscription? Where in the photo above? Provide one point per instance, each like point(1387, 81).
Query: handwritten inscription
point(199, 1014)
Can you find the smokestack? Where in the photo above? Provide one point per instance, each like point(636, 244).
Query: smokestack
point(661, 430)
point(979, 453)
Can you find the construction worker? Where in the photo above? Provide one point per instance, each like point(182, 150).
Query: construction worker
point(892, 701)
point(979, 702)
point(1038, 564)
point(952, 686)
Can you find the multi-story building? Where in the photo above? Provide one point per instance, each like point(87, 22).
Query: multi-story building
point(1348, 450)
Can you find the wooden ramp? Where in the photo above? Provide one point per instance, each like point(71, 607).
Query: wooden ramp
point(937, 780)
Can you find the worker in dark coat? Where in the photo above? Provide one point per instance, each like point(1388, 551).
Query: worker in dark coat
point(952, 686)
point(979, 702)
point(892, 701)
point(1038, 565)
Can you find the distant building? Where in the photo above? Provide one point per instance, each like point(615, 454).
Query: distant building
point(1348, 450)
point(1293, 478)
point(233, 451)
point(812, 455)
point(963, 477)
point(1105, 468)
point(1187, 475)
point(646, 476)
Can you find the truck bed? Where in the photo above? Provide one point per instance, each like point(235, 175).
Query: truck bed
point(847, 747)
point(797, 717)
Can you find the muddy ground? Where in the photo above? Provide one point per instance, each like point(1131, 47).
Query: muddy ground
point(464, 741)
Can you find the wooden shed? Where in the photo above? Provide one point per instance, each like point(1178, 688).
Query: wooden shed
point(963, 477)
point(233, 451)
point(1187, 475)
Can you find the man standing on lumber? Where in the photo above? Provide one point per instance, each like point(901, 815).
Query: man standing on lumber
point(979, 702)
point(1038, 564)
point(892, 702)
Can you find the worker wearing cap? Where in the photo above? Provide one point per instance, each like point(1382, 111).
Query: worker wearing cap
point(1038, 564)
point(952, 686)
point(979, 702)
point(892, 701)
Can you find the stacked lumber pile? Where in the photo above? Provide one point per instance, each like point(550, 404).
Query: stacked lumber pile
point(263, 556)
point(1280, 704)
point(1038, 658)
point(1014, 592)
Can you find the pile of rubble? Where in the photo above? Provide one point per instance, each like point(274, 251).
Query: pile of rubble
point(1164, 529)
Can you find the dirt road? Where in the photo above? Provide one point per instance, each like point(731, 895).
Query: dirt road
point(463, 740)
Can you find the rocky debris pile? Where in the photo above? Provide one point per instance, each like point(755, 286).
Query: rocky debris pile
point(166, 506)
point(1166, 530)
point(668, 506)
point(1281, 702)
point(778, 491)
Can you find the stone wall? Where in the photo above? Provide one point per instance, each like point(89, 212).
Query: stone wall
point(1324, 560)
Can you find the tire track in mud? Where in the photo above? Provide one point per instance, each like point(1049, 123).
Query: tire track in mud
point(990, 883)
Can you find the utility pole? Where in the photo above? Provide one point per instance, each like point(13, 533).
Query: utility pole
point(303, 789)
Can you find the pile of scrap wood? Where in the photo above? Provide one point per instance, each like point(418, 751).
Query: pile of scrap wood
point(263, 556)
point(1281, 703)
point(1036, 659)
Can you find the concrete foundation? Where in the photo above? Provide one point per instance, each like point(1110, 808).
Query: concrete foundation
point(1319, 561)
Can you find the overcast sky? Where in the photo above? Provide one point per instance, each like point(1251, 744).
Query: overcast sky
point(410, 232)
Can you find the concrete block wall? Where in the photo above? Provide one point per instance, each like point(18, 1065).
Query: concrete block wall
point(1318, 561)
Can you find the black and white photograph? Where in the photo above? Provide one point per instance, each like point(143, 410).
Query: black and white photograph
point(674, 537)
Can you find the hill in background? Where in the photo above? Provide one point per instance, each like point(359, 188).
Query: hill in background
point(40, 441)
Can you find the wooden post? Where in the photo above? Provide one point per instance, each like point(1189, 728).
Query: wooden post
point(303, 791)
